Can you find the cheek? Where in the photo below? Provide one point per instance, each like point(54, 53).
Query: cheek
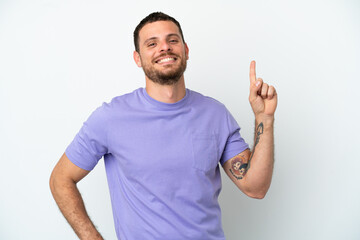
point(146, 55)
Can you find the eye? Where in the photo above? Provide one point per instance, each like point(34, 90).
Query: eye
point(174, 41)
point(152, 44)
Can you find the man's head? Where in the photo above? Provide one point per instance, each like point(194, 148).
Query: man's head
point(160, 49)
point(154, 17)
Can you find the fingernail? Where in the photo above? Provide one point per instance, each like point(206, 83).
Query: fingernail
point(257, 83)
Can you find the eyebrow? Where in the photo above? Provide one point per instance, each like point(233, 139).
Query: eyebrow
point(168, 36)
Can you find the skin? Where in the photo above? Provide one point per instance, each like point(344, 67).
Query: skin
point(63, 187)
point(263, 100)
point(257, 178)
point(160, 34)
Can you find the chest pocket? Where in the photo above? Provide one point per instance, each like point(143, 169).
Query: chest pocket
point(204, 152)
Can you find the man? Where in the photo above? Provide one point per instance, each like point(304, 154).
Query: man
point(161, 147)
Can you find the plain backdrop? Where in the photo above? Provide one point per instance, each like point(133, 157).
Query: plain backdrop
point(59, 60)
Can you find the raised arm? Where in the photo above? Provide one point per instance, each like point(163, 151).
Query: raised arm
point(252, 171)
point(63, 182)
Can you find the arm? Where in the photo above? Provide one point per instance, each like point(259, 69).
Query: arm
point(252, 171)
point(63, 182)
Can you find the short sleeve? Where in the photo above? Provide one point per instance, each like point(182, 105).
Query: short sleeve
point(235, 144)
point(90, 143)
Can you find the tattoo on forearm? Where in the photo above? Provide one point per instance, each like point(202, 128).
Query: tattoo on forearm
point(259, 131)
point(239, 166)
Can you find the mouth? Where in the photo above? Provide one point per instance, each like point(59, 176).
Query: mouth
point(165, 60)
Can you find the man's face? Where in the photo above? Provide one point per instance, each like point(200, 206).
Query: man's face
point(163, 54)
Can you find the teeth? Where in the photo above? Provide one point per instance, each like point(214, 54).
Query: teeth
point(166, 60)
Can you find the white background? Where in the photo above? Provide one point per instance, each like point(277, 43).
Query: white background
point(59, 60)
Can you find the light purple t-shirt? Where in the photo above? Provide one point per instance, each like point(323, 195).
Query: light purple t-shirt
point(162, 163)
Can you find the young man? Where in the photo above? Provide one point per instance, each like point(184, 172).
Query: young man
point(162, 146)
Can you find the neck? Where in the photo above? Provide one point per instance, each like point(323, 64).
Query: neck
point(166, 93)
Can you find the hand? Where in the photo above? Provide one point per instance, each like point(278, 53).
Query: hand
point(263, 98)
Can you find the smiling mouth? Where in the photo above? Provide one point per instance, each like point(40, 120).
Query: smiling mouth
point(166, 60)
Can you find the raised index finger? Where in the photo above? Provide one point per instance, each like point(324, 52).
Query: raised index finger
point(252, 72)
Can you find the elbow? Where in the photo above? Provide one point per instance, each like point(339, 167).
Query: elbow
point(58, 183)
point(55, 182)
point(259, 195)
point(52, 182)
point(257, 190)
point(256, 194)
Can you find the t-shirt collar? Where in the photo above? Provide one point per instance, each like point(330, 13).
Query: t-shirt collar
point(166, 106)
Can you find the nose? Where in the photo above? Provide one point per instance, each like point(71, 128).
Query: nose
point(165, 47)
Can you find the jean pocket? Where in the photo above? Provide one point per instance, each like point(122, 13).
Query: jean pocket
point(204, 152)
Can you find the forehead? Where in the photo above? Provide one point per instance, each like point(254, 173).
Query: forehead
point(157, 30)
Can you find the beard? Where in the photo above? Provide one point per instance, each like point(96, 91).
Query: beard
point(169, 75)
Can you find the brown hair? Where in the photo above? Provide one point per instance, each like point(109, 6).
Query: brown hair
point(154, 17)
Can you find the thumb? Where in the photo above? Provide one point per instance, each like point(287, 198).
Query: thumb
point(255, 89)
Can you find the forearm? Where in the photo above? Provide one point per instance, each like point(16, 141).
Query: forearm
point(252, 171)
point(70, 202)
point(261, 162)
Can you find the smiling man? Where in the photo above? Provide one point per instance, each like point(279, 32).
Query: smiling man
point(167, 66)
point(162, 147)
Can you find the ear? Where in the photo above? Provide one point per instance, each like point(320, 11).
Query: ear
point(186, 51)
point(137, 60)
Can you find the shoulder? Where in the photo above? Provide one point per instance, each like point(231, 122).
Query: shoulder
point(123, 99)
point(107, 110)
point(119, 103)
point(207, 102)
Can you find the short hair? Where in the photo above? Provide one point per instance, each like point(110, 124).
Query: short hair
point(154, 17)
